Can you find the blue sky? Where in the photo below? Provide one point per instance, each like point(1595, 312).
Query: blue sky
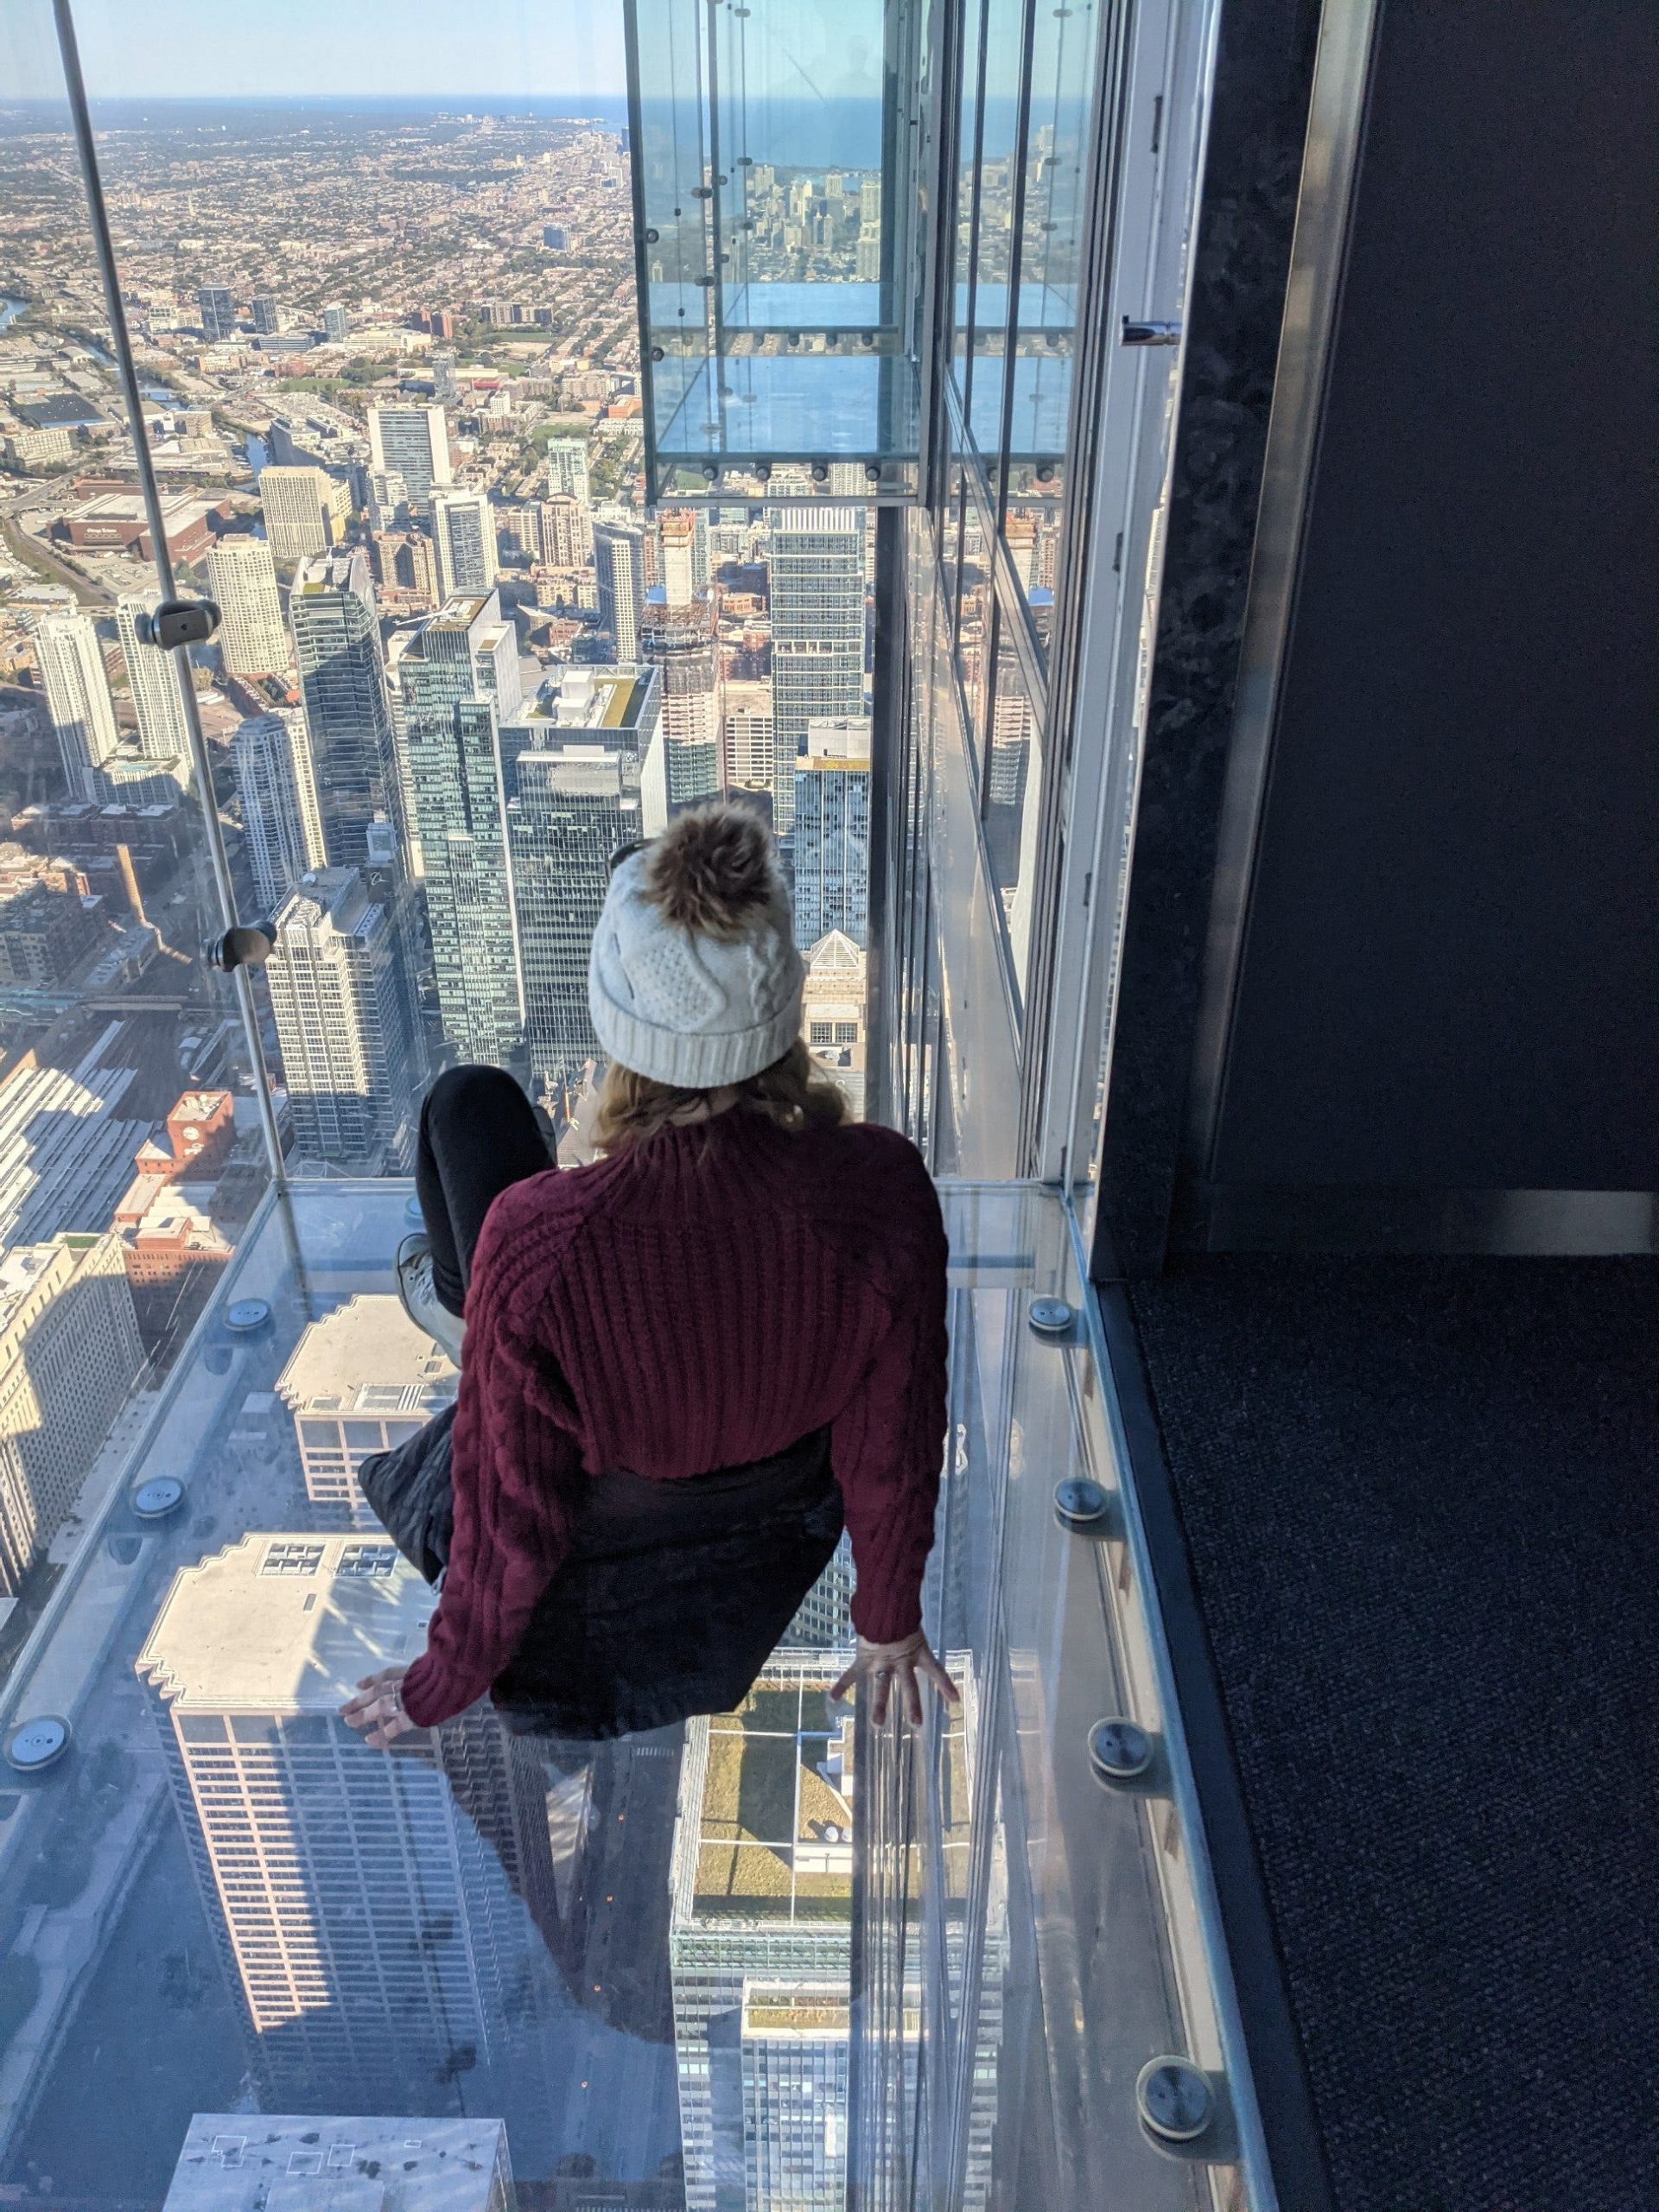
point(188, 48)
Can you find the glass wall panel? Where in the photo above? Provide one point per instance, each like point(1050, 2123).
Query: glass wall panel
point(1012, 785)
point(976, 602)
point(1025, 1927)
point(131, 1149)
point(995, 258)
point(971, 32)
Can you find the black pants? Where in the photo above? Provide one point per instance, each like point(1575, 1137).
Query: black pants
point(479, 1134)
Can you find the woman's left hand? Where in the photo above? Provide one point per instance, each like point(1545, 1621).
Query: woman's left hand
point(903, 1666)
point(378, 1708)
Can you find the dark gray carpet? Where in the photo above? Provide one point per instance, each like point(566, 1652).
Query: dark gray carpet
point(1421, 1499)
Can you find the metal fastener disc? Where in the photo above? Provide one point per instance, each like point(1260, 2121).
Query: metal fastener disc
point(1080, 1504)
point(1050, 1317)
point(243, 1315)
point(154, 1499)
point(1119, 1750)
point(1174, 2098)
point(35, 1744)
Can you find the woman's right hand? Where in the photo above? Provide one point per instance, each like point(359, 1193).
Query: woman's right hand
point(907, 1664)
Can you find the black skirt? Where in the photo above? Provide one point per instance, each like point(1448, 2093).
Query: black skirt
point(673, 1594)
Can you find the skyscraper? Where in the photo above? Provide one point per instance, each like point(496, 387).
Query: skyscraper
point(414, 441)
point(162, 735)
point(747, 741)
point(232, 2162)
point(361, 1380)
point(371, 1931)
point(835, 1012)
point(679, 642)
point(448, 674)
point(831, 839)
point(463, 531)
point(270, 757)
point(619, 566)
point(566, 469)
point(567, 531)
point(296, 502)
point(445, 390)
point(77, 688)
point(337, 649)
point(265, 321)
point(218, 315)
point(336, 324)
point(818, 630)
point(572, 806)
point(70, 1355)
point(680, 574)
point(242, 578)
point(343, 1025)
point(759, 1947)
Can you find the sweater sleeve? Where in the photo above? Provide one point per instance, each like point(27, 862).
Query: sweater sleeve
point(513, 1466)
point(888, 1443)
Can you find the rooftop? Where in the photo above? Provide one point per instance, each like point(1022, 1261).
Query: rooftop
point(285, 1623)
point(368, 1356)
point(236, 2162)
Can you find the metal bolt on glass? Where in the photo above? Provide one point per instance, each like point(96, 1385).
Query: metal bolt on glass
point(1050, 1317)
point(1174, 2098)
point(1119, 1751)
point(157, 1498)
point(1082, 1504)
point(37, 1743)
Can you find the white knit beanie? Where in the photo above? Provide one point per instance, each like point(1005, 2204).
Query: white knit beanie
point(688, 1005)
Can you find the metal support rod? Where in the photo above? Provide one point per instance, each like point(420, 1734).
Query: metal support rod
point(126, 369)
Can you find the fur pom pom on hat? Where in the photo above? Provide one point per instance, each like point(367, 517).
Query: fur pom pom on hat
point(694, 978)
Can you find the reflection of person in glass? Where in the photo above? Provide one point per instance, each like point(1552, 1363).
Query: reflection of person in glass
point(744, 1283)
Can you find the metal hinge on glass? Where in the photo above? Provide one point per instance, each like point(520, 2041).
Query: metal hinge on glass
point(178, 622)
point(1151, 334)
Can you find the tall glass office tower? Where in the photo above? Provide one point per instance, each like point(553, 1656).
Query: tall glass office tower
point(342, 680)
point(817, 568)
point(412, 442)
point(77, 686)
point(449, 720)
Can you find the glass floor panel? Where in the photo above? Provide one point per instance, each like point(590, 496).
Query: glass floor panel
point(747, 1963)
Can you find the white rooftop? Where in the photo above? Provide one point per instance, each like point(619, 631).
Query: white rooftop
point(285, 1623)
point(243, 2162)
point(366, 1356)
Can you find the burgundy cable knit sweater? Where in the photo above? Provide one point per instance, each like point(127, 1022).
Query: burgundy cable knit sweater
point(694, 1302)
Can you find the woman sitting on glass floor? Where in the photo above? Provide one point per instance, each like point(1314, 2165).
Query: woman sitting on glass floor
point(682, 1364)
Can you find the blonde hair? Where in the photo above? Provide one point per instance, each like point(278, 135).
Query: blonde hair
point(792, 1093)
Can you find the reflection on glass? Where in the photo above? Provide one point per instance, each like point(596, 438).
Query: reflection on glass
point(994, 255)
point(975, 600)
point(1013, 776)
point(967, 210)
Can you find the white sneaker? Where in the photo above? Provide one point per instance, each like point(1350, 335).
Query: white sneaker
point(419, 1296)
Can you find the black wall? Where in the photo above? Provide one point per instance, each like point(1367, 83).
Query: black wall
point(1451, 973)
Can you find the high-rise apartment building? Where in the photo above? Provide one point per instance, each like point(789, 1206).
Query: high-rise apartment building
point(572, 806)
point(308, 2162)
point(445, 388)
point(567, 531)
point(463, 532)
point(266, 322)
point(680, 574)
point(388, 498)
point(70, 1354)
point(678, 641)
point(831, 835)
point(748, 749)
point(336, 324)
point(297, 508)
point(337, 649)
point(242, 579)
point(619, 566)
point(343, 1024)
point(361, 1380)
point(449, 674)
point(567, 470)
point(818, 630)
point(270, 757)
point(369, 1925)
point(77, 686)
point(164, 735)
point(414, 441)
point(217, 314)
